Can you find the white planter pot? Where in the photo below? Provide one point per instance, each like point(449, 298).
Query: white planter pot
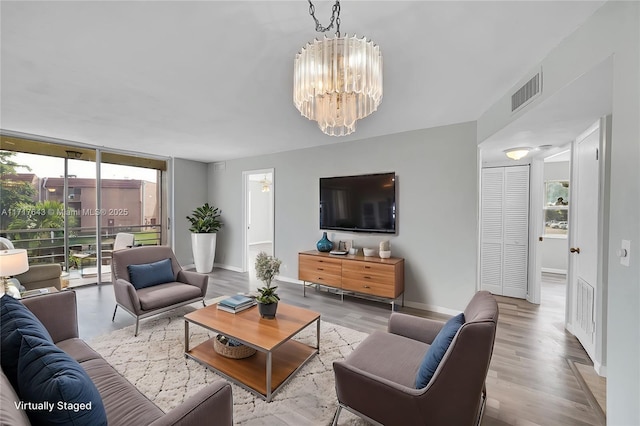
point(204, 251)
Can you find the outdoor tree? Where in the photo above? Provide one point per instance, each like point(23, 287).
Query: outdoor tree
point(12, 191)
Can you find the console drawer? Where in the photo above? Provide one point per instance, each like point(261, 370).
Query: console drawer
point(320, 270)
point(369, 286)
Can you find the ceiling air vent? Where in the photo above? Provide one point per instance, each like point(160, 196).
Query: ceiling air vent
point(527, 92)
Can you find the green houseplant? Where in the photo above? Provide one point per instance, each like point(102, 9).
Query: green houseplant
point(205, 222)
point(267, 267)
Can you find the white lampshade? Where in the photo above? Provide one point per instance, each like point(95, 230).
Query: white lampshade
point(13, 262)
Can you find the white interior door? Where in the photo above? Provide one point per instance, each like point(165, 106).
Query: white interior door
point(584, 240)
point(504, 230)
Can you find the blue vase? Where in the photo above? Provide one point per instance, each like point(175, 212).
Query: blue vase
point(324, 244)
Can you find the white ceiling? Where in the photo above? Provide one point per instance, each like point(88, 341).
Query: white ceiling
point(212, 80)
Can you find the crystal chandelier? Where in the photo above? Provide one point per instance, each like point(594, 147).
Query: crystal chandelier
point(337, 81)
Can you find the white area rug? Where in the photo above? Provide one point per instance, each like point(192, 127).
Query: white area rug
point(154, 362)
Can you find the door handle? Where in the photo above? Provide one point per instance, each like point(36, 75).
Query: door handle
point(575, 250)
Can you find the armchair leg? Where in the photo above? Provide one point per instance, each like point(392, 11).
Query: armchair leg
point(137, 324)
point(113, 318)
point(336, 415)
point(203, 303)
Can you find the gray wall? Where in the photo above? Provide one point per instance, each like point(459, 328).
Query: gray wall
point(554, 250)
point(189, 192)
point(437, 195)
point(613, 31)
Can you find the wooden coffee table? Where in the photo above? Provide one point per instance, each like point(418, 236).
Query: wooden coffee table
point(278, 358)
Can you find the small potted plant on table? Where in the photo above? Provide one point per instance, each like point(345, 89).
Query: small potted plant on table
point(267, 267)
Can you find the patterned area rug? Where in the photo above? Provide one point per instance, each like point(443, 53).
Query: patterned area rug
point(154, 362)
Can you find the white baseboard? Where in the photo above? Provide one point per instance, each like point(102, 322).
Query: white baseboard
point(600, 369)
point(228, 267)
point(215, 265)
point(288, 280)
point(554, 271)
point(431, 308)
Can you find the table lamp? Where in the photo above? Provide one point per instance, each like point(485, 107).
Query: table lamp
point(12, 262)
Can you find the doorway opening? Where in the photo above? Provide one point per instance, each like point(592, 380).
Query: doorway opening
point(258, 216)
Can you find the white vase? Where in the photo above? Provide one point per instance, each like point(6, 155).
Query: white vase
point(204, 251)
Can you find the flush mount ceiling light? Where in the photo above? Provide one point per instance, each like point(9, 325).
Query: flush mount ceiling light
point(517, 153)
point(338, 80)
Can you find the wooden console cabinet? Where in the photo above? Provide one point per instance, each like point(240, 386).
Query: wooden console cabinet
point(353, 274)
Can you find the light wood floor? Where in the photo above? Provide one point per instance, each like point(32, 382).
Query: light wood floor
point(531, 380)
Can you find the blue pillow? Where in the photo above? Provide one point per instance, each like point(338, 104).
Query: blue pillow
point(437, 350)
point(16, 321)
point(47, 375)
point(150, 274)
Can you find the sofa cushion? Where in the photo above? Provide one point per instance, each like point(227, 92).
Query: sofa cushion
point(124, 404)
point(61, 391)
point(162, 295)
point(437, 350)
point(16, 321)
point(150, 274)
point(77, 349)
point(9, 413)
point(379, 354)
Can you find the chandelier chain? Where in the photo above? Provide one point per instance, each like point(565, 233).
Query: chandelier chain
point(335, 18)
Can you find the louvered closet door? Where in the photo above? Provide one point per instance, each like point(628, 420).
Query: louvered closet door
point(491, 230)
point(516, 231)
point(504, 230)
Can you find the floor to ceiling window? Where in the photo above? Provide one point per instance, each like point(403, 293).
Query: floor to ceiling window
point(76, 205)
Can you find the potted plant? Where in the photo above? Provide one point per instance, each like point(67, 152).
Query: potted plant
point(205, 222)
point(267, 267)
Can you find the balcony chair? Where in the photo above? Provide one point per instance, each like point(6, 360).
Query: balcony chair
point(148, 281)
point(380, 380)
point(123, 240)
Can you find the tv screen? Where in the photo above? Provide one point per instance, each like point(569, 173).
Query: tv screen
point(365, 203)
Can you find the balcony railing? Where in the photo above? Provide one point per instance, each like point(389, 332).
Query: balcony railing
point(47, 245)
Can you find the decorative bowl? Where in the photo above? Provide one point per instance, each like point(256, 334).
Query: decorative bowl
point(369, 251)
point(385, 254)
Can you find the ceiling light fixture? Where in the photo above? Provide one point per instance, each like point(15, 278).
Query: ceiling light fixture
point(337, 81)
point(517, 153)
point(266, 184)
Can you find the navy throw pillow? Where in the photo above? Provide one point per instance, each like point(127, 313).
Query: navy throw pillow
point(55, 388)
point(150, 274)
point(16, 321)
point(437, 350)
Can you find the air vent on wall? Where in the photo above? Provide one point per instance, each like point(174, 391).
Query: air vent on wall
point(527, 92)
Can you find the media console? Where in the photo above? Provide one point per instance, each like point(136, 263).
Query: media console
point(357, 275)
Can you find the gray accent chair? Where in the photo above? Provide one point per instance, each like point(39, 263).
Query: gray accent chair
point(377, 380)
point(187, 287)
point(41, 276)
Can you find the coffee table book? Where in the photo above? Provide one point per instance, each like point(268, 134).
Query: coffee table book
point(240, 308)
point(236, 301)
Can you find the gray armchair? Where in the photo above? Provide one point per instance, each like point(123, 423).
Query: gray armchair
point(378, 380)
point(185, 288)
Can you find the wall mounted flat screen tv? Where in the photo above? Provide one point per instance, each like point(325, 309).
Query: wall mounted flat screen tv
point(365, 203)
